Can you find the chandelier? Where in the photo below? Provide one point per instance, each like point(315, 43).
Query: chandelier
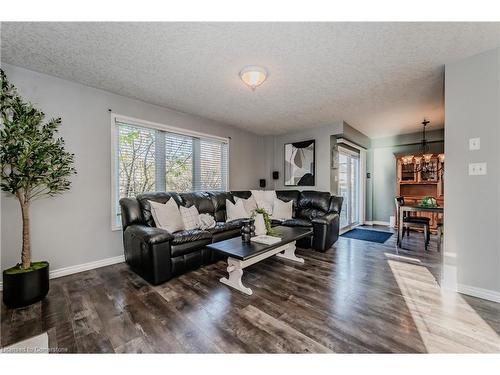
point(424, 163)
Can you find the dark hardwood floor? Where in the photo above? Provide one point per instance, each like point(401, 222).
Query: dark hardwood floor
point(358, 297)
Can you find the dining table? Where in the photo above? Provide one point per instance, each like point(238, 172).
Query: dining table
point(414, 208)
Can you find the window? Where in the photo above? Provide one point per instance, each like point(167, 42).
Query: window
point(152, 157)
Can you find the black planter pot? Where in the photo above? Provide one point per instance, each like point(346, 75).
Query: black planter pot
point(24, 288)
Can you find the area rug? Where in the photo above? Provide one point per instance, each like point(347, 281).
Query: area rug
point(368, 235)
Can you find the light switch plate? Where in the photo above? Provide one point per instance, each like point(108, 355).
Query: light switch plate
point(477, 169)
point(474, 144)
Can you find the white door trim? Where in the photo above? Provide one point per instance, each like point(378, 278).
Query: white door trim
point(362, 177)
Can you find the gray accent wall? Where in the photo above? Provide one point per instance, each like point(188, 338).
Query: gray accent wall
point(472, 209)
point(75, 228)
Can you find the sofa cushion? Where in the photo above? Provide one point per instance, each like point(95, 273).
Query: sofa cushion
point(312, 204)
point(201, 200)
point(275, 222)
point(219, 227)
point(245, 194)
point(228, 225)
point(189, 247)
point(219, 202)
point(184, 236)
point(296, 223)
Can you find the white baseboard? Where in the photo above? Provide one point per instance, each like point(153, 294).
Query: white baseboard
point(487, 294)
point(65, 271)
point(375, 222)
point(86, 266)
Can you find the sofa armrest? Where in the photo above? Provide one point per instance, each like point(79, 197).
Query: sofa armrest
point(325, 219)
point(148, 235)
point(335, 204)
point(148, 252)
point(325, 231)
point(130, 212)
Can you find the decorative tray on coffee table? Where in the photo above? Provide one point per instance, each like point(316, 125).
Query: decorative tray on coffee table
point(265, 239)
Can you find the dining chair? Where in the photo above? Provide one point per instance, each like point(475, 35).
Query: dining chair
point(440, 234)
point(412, 222)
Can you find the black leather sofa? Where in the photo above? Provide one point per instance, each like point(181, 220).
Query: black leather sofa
point(158, 255)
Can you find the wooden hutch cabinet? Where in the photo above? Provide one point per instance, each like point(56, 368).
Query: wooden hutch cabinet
point(415, 185)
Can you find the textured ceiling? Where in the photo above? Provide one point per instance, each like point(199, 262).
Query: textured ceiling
point(381, 78)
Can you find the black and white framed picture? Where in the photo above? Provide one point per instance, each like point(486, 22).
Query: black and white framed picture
point(299, 163)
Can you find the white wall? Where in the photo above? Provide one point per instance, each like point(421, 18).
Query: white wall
point(75, 228)
point(472, 209)
point(276, 147)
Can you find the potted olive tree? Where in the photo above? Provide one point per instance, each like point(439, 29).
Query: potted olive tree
point(33, 164)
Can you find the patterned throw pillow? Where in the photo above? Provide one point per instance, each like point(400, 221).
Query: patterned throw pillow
point(190, 217)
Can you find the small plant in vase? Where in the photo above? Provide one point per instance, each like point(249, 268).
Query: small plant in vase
point(267, 222)
point(33, 164)
point(429, 202)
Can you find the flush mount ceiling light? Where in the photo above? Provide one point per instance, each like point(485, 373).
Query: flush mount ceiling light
point(253, 76)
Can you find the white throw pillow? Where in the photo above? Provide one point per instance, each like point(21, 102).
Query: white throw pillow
point(282, 210)
point(167, 216)
point(190, 217)
point(265, 199)
point(250, 204)
point(235, 211)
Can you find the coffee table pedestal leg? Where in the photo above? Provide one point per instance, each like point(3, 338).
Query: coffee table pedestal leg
point(235, 270)
point(235, 266)
point(289, 254)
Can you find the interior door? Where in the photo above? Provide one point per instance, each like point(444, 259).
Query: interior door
point(349, 187)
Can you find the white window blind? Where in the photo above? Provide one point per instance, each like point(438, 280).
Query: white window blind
point(210, 174)
point(147, 158)
point(178, 162)
point(136, 160)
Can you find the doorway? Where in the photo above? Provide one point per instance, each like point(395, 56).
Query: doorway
point(349, 187)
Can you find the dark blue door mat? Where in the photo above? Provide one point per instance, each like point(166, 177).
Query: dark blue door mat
point(368, 235)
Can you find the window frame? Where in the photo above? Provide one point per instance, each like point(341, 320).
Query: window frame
point(114, 118)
